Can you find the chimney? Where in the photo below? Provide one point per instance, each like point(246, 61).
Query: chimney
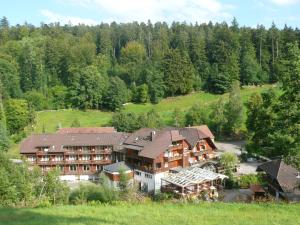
point(153, 135)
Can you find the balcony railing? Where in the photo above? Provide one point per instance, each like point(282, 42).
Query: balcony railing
point(173, 158)
point(44, 161)
point(174, 147)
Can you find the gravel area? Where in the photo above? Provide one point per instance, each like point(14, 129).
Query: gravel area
point(230, 146)
point(248, 167)
point(235, 147)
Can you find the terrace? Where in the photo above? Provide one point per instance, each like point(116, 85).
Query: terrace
point(191, 181)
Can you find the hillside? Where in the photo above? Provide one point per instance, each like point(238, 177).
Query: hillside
point(51, 119)
point(205, 213)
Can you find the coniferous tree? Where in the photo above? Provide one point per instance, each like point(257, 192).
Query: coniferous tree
point(179, 72)
point(250, 72)
point(287, 128)
point(116, 94)
point(234, 109)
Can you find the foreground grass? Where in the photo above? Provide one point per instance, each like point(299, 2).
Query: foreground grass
point(205, 213)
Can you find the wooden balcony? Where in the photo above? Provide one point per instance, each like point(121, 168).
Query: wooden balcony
point(170, 159)
point(69, 152)
point(175, 147)
point(144, 168)
point(56, 162)
point(39, 162)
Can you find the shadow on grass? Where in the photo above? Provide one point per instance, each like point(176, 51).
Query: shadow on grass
point(30, 217)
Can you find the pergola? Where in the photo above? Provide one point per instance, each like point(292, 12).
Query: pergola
point(191, 181)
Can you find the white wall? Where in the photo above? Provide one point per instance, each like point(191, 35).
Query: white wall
point(76, 177)
point(153, 183)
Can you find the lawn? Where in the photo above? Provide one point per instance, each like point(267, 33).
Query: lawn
point(154, 213)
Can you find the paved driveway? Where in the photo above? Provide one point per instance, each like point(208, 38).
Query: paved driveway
point(230, 146)
point(235, 147)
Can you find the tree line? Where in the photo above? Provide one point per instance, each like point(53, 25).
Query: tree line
point(273, 120)
point(104, 66)
point(224, 117)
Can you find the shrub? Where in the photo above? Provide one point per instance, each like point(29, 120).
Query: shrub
point(228, 161)
point(162, 196)
point(94, 193)
point(246, 180)
point(231, 182)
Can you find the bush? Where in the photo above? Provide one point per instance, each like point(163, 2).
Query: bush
point(93, 193)
point(162, 196)
point(246, 180)
point(231, 182)
point(36, 100)
point(229, 161)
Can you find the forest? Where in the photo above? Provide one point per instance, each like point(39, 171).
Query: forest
point(55, 66)
point(102, 67)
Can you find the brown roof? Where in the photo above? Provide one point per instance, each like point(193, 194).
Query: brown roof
point(152, 142)
point(193, 135)
point(257, 188)
point(86, 130)
point(204, 130)
point(285, 175)
point(55, 142)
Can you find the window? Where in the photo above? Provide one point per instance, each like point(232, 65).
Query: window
point(86, 167)
point(45, 168)
point(59, 158)
point(166, 164)
point(98, 157)
point(147, 175)
point(137, 173)
point(73, 168)
point(158, 165)
point(61, 168)
point(86, 157)
point(31, 158)
point(45, 158)
point(166, 154)
point(72, 157)
point(202, 147)
point(98, 167)
point(107, 157)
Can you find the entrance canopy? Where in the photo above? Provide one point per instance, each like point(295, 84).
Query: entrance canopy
point(191, 176)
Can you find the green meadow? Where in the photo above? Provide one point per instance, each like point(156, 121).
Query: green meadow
point(156, 213)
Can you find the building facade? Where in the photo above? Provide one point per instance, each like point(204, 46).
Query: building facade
point(154, 153)
point(77, 155)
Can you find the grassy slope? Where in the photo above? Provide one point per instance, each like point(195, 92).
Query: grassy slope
point(205, 213)
point(97, 118)
point(50, 119)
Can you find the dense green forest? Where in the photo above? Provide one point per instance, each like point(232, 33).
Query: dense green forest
point(55, 66)
point(104, 66)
